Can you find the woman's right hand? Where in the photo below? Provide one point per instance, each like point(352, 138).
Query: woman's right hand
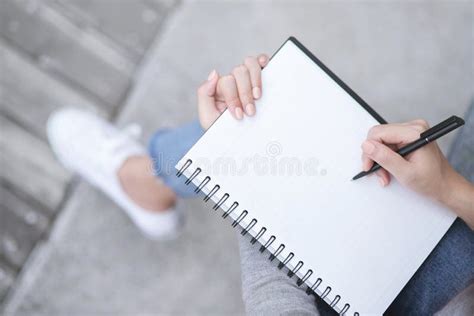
point(425, 171)
point(236, 91)
point(422, 171)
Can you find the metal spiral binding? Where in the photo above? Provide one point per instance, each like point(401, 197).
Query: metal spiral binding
point(286, 261)
point(230, 210)
point(277, 252)
point(221, 201)
point(249, 227)
point(304, 278)
point(267, 244)
point(262, 231)
point(240, 218)
point(257, 237)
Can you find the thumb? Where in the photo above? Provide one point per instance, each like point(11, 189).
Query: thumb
point(387, 158)
point(207, 91)
point(207, 109)
point(212, 83)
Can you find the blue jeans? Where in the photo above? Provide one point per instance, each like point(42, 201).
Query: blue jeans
point(447, 271)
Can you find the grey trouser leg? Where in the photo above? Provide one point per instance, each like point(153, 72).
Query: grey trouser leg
point(266, 289)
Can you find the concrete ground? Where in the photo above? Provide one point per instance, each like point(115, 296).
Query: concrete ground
point(406, 59)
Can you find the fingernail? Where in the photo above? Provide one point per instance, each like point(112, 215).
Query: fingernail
point(257, 93)
point(382, 182)
point(250, 109)
point(262, 59)
point(368, 147)
point(238, 113)
point(212, 75)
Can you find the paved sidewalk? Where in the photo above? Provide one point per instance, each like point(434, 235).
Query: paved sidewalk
point(406, 59)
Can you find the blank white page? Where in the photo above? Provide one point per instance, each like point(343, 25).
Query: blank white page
point(290, 167)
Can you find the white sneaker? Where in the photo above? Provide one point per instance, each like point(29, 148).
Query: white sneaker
point(95, 149)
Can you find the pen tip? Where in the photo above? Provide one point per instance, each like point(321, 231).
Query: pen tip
point(359, 175)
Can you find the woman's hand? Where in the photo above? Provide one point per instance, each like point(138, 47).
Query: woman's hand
point(425, 171)
point(236, 91)
point(421, 171)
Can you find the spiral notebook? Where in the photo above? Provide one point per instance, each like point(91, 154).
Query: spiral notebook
point(284, 177)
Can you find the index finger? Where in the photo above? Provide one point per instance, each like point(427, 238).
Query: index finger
point(395, 134)
point(263, 60)
point(255, 72)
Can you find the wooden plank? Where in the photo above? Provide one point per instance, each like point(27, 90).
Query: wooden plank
point(131, 24)
point(63, 49)
point(31, 103)
point(21, 228)
point(28, 165)
point(7, 277)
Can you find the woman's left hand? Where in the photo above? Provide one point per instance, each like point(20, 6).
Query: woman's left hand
point(236, 91)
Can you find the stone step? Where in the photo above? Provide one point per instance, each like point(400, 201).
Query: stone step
point(75, 55)
point(130, 24)
point(20, 228)
point(7, 277)
point(29, 166)
point(31, 104)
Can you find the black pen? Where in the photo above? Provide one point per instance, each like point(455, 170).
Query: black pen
point(426, 137)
